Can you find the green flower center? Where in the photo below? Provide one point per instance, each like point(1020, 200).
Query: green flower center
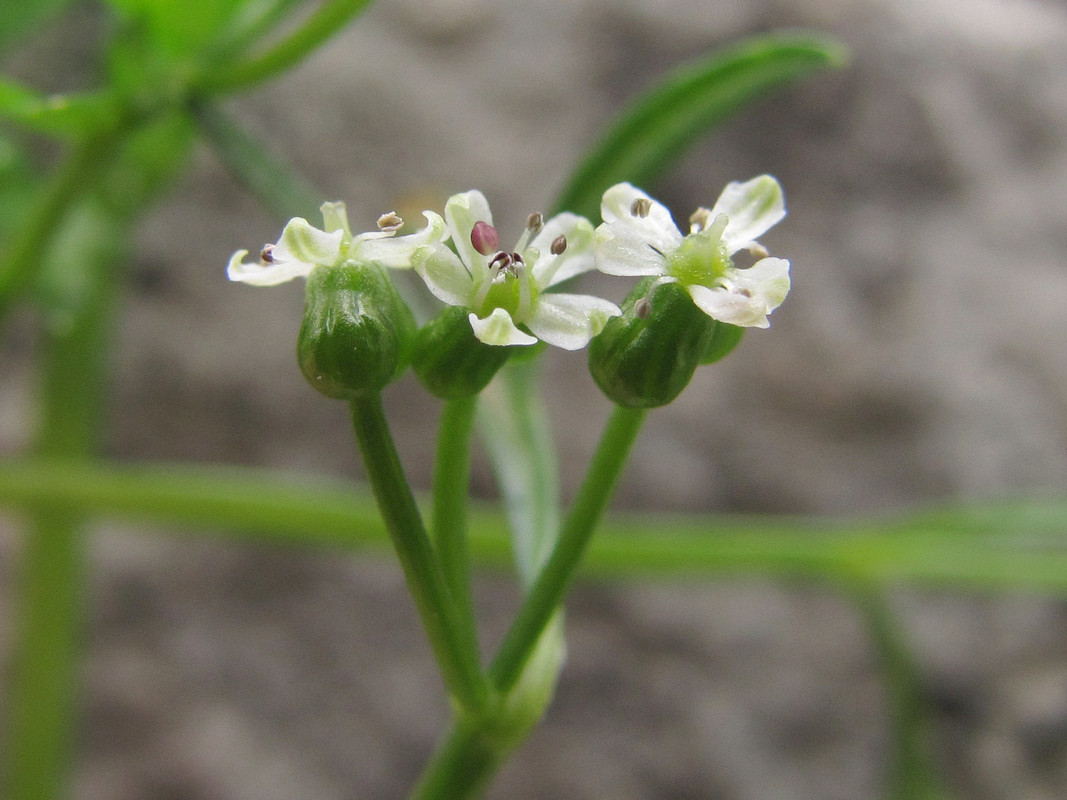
point(511, 287)
point(701, 259)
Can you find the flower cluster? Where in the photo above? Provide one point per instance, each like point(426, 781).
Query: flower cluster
point(509, 294)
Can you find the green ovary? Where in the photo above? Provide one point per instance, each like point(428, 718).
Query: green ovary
point(505, 294)
point(700, 260)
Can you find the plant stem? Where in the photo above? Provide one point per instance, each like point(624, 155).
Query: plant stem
point(52, 571)
point(327, 20)
point(457, 660)
point(462, 766)
point(450, 485)
point(913, 775)
point(551, 584)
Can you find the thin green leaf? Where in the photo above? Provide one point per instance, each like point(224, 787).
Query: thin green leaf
point(281, 190)
point(515, 429)
point(660, 124)
point(1005, 545)
point(238, 73)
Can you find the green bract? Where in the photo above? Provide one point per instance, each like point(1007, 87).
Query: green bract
point(357, 331)
point(646, 356)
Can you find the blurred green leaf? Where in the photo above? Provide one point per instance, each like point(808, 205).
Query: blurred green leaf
point(18, 18)
point(660, 124)
point(516, 432)
point(65, 115)
point(237, 71)
point(994, 546)
point(180, 27)
point(282, 191)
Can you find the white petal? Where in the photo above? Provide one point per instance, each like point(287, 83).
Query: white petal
point(753, 208)
point(444, 274)
point(301, 241)
point(727, 306)
point(259, 274)
point(748, 295)
point(499, 329)
point(570, 320)
point(462, 211)
point(657, 228)
point(618, 249)
point(395, 252)
point(574, 260)
point(767, 280)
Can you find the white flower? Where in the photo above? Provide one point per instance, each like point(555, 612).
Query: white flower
point(505, 289)
point(302, 247)
point(638, 237)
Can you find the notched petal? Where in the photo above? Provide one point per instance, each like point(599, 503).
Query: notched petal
point(753, 207)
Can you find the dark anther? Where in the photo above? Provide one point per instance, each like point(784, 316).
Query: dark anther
point(641, 207)
point(559, 244)
point(642, 308)
point(534, 223)
point(266, 255)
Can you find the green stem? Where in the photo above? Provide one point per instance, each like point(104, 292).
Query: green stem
point(22, 255)
point(551, 584)
point(330, 17)
point(462, 766)
point(450, 486)
point(913, 775)
point(457, 660)
point(52, 570)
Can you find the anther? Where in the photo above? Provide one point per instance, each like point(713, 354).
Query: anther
point(390, 222)
point(641, 207)
point(534, 223)
point(699, 220)
point(485, 239)
point(559, 244)
point(642, 308)
point(500, 261)
point(266, 255)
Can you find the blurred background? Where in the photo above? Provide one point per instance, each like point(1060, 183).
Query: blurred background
point(919, 359)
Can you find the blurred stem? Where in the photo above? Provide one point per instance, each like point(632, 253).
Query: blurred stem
point(329, 18)
point(462, 765)
point(551, 584)
point(457, 660)
point(76, 175)
point(284, 193)
point(914, 775)
point(450, 486)
point(52, 580)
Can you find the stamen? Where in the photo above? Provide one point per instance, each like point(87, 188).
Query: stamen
point(485, 238)
point(500, 261)
point(559, 244)
point(266, 255)
point(642, 308)
point(534, 223)
point(641, 207)
point(390, 222)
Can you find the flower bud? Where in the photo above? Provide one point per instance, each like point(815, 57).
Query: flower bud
point(357, 331)
point(644, 358)
point(448, 359)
